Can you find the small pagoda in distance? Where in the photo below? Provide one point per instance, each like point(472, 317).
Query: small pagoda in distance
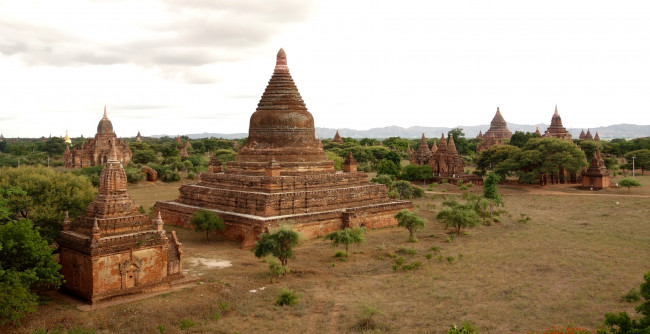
point(556, 129)
point(596, 177)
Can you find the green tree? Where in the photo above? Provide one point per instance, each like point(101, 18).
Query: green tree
point(641, 159)
point(519, 138)
point(491, 191)
point(338, 161)
point(387, 167)
point(621, 323)
point(279, 244)
point(457, 215)
point(49, 195)
point(145, 157)
point(54, 146)
point(406, 190)
point(629, 183)
point(410, 221)
point(417, 172)
point(26, 261)
point(208, 221)
point(346, 237)
point(541, 157)
point(491, 157)
point(589, 147)
point(398, 142)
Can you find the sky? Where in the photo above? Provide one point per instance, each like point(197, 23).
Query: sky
point(193, 66)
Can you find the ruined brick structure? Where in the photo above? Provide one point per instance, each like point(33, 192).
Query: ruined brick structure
point(95, 151)
point(596, 177)
point(113, 249)
point(556, 129)
point(282, 176)
point(497, 134)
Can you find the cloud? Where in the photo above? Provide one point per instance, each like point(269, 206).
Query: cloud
point(183, 36)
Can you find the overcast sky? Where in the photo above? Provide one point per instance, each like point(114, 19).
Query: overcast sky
point(192, 66)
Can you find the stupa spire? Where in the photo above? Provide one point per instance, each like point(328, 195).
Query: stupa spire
point(442, 144)
point(105, 115)
point(281, 62)
point(451, 145)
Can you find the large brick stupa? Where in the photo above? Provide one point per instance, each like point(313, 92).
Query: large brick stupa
point(282, 176)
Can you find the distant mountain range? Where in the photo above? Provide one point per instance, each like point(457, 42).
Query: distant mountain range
point(627, 131)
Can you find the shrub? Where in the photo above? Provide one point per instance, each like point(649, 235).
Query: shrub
point(406, 190)
point(286, 297)
point(133, 175)
point(634, 295)
point(406, 251)
point(187, 324)
point(469, 329)
point(411, 221)
point(367, 321)
point(276, 268)
point(386, 180)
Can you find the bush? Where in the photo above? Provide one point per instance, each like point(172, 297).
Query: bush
point(187, 324)
point(406, 251)
point(634, 295)
point(133, 175)
point(286, 297)
point(276, 268)
point(386, 180)
point(467, 328)
point(406, 190)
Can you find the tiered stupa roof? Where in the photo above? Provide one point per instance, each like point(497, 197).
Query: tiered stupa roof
point(557, 129)
point(337, 138)
point(282, 175)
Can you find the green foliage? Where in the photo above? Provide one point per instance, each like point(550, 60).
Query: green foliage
point(338, 161)
point(196, 160)
point(54, 146)
point(462, 146)
point(417, 172)
point(91, 173)
point(367, 320)
point(397, 142)
point(286, 297)
point(406, 190)
point(543, 156)
point(186, 323)
point(621, 323)
point(406, 251)
point(276, 268)
point(145, 156)
point(634, 295)
point(279, 244)
point(387, 167)
point(458, 215)
point(629, 183)
point(519, 138)
point(208, 221)
point(133, 175)
point(26, 261)
point(384, 179)
point(45, 195)
point(467, 328)
point(225, 155)
point(641, 159)
point(346, 237)
point(411, 221)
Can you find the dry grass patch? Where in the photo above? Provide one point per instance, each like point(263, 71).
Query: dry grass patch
point(571, 263)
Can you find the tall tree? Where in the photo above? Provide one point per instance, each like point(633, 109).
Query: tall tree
point(641, 159)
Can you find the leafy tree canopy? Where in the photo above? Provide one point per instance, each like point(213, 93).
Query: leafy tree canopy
point(208, 221)
point(346, 237)
point(410, 221)
point(279, 244)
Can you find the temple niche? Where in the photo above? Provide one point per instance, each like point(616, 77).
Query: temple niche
point(95, 151)
point(113, 249)
point(596, 177)
point(497, 134)
point(282, 176)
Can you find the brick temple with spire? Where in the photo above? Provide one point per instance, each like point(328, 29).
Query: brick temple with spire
point(556, 129)
point(95, 151)
point(444, 159)
point(282, 176)
point(114, 250)
point(497, 134)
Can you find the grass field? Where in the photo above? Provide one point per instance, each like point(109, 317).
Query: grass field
point(571, 263)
